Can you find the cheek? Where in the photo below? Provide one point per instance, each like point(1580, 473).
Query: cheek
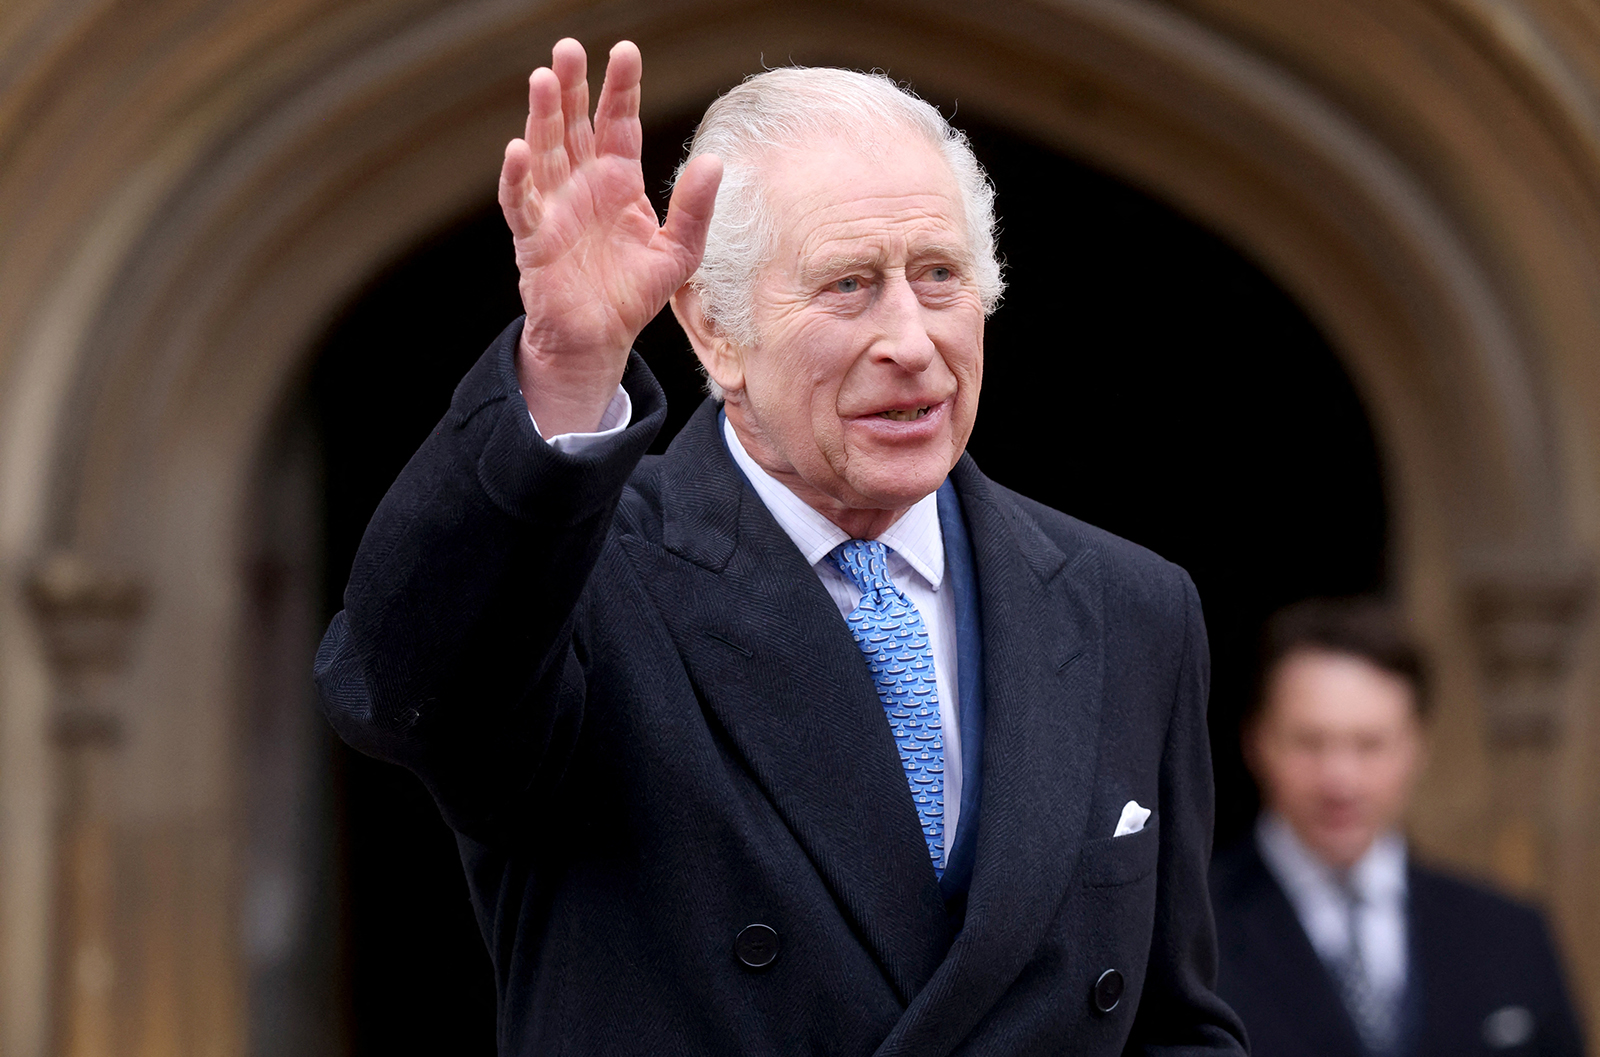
point(780, 367)
point(818, 351)
point(802, 382)
point(967, 366)
point(960, 335)
point(1291, 779)
point(1394, 779)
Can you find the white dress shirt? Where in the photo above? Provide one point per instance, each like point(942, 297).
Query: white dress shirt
point(1313, 888)
point(916, 565)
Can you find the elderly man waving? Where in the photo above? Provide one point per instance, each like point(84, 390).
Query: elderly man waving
point(804, 737)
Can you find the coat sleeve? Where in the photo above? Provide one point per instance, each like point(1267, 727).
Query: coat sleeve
point(1179, 1011)
point(453, 655)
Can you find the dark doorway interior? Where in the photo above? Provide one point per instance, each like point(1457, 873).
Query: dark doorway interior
point(1142, 375)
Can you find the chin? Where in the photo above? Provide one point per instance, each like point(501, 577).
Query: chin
point(901, 479)
point(1343, 847)
point(901, 492)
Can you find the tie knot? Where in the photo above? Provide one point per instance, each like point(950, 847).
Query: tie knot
point(864, 563)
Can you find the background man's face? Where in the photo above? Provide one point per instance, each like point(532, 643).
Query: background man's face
point(864, 382)
point(1336, 749)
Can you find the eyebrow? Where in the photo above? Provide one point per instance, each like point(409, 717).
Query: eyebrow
point(819, 268)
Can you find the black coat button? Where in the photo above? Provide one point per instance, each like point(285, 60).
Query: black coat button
point(1108, 991)
point(756, 946)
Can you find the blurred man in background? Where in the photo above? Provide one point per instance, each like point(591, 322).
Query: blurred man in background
point(1332, 941)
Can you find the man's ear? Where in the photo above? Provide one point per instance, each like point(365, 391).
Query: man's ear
point(723, 361)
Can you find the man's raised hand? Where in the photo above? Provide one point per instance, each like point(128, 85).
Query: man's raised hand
point(595, 266)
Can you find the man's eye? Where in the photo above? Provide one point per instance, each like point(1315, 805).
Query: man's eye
point(847, 286)
point(939, 275)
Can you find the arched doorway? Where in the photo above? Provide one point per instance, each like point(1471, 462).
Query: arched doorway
point(1142, 374)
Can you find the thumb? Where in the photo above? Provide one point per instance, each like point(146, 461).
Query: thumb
point(689, 212)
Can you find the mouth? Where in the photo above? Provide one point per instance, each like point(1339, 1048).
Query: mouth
point(917, 419)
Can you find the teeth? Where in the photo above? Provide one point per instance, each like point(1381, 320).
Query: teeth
point(908, 415)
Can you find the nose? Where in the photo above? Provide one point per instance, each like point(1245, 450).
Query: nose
point(902, 326)
point(1341, 773)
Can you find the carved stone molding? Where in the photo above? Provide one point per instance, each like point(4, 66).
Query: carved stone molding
point(87, 617)
point(86, 612)
point(1523, 612)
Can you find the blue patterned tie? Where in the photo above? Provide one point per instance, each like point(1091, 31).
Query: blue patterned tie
point(894, 640)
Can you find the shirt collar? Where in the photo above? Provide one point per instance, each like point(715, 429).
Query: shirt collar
point(915, 535)
point(1379, 875)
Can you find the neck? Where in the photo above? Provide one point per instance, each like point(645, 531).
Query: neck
point(858, 522)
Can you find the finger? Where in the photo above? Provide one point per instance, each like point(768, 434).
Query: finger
point(520, 201)
point(546, 138)
point(616, 118)
point(536, 101)
point(571, 66)
point(694, 197)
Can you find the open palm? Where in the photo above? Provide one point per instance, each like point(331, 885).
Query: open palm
point(595, 266)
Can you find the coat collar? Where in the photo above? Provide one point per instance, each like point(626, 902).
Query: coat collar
point(779, 672)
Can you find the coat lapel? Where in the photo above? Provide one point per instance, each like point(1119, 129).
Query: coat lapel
point(776, 669)
point(1042, 616)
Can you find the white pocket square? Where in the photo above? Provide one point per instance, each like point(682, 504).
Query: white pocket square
point(1132, 820)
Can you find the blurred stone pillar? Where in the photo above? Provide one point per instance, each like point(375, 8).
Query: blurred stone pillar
point(87, 617)
point(1525, 612)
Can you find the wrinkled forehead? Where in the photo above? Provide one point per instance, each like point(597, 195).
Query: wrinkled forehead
point(888, 185)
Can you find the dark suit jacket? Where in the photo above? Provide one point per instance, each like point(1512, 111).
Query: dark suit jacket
point(1474, 954)
point(644, 717)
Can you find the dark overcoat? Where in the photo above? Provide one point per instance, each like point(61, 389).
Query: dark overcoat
point(645, 719)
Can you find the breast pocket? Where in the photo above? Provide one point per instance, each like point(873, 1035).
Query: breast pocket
point(1112, 861)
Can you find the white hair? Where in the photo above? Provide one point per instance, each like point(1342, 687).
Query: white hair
point(784, 109)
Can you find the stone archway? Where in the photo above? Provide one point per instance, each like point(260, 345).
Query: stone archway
point(180, 228)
